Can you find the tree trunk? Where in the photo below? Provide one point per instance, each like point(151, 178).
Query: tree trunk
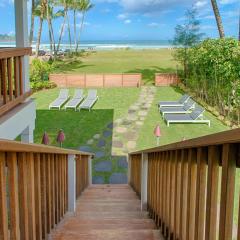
point(239, 28)
point(61, 31)
point(218, 18)
point(69, 32)
point(75, 29)
point(39, 35)
point(32, 23)
point(80, 31)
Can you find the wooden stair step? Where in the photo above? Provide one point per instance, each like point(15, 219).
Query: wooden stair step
point(109, 235)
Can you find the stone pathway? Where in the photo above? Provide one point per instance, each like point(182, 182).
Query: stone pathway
point(117, 140)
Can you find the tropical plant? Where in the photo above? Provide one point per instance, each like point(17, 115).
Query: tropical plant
point(187, 35)
point(218, 18)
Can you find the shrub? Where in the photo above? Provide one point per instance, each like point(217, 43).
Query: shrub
point(39, 75)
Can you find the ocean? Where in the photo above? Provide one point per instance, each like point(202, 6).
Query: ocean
point(105, 45)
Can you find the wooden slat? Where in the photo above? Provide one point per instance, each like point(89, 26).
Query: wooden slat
point(20, 75)
point(31, 195)
point(10, 80)
point(168, 189)
point(3, 199)
point(201, 193)
point(13, 196)
point(37, 188)
point(53, 198)
point(57, 218)
point(4, 80)
point(43, 195)
point(191, 197)
point(16, 77)
point(23, 196)
point(212, 192)
point(229, 160)
point(49, 191)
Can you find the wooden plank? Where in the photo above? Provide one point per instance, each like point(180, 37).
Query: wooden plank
point(229, 160)
point(191, 197)
point(12, 52)
point(10, 79)
point(3, 199)
point(4, 81)
point(16, 77)
point(43, 195)
point(37, 188)
point(201, 193)
point(212, 192)
point(49, 191)
point(168, 190)
point(164, 192)
point(13, 195)
point(20, 75)
point(57, 218)
point(183, 198)
point(23, 196)
point(53, 198)
point(31, 196)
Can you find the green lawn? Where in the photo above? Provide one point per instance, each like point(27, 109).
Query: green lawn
point(147, 62)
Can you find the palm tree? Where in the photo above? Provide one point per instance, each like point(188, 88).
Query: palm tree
point(84, 7)
point(218, 18)
point(34, 3)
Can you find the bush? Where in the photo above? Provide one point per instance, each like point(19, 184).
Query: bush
point(39, 75)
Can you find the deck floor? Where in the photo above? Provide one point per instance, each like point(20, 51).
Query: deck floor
point(107, 212)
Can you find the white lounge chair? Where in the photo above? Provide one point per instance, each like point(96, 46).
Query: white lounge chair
point(187, 108)
point(195, 117)
point(61, 100)
point(90, 100)
point(178, 103)
point(76, 100)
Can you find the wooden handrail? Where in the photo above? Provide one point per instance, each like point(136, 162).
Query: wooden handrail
point(183, 183)
point(14, 52)
point(14, 146)
point(225, 137)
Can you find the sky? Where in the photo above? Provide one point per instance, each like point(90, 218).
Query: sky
point(137, 19)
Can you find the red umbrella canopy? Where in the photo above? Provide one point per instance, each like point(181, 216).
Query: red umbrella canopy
point(157, 131)
point(45, 139)
point(61, 136)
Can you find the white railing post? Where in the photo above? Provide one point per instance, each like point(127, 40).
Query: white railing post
point(71, 183)
point(144, 181)
point(90, 170)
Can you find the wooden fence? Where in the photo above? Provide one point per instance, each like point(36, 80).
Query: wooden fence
point(96, 80)
point(11, 77)
point(191, 186)
point(34, 188)
point(166, 79)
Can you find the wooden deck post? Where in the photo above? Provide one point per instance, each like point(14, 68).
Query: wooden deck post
point(129, 169)
point(144, 180)
point(90, 170)
point(71, 183)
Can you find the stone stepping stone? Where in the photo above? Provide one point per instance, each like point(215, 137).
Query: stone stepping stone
point(126, 122)
point(90, 142)
point(142, 118)
point(130, 135)
point(122, 162)
point(118, 121)
point(101, 143)
point(107, 134)
point(117, 144)
point(98, 180)
point(118, 178)
point(134, 108)
point(104, 166)
point(97, 136)
point(131, 111)
point(142, 113)
point(99, 154)
point(132, 117)
point(121, 129)
point(131, 144)
point(139, 123)
point(85, 149)
point(110, 125)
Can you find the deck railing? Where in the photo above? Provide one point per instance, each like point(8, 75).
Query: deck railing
point(189, 187)
point(11, 77)
point(37, 187)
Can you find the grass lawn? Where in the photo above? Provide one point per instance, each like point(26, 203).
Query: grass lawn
point(147, 62)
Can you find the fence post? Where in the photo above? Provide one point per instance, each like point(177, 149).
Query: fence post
point(71, 183)
point(144, 181)
point(90, 170)
point(129, 169)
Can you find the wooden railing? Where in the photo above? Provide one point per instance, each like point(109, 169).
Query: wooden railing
point(34, 188)
point(190, 187)
point(11, 77)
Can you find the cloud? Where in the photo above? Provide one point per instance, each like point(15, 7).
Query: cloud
point(200, 4)
point(225, 2)
point(155, 25)
point(122, 16)
point(127, 21)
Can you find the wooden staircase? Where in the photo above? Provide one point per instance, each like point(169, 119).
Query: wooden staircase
point(107, 212)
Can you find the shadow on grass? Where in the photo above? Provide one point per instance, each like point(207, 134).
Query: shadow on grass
point(69, 66)
point(79, 128)
point(148, 74)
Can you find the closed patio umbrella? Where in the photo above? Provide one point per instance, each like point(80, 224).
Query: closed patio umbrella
point(60, 137)
point(157, 133)
point(45, 139)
